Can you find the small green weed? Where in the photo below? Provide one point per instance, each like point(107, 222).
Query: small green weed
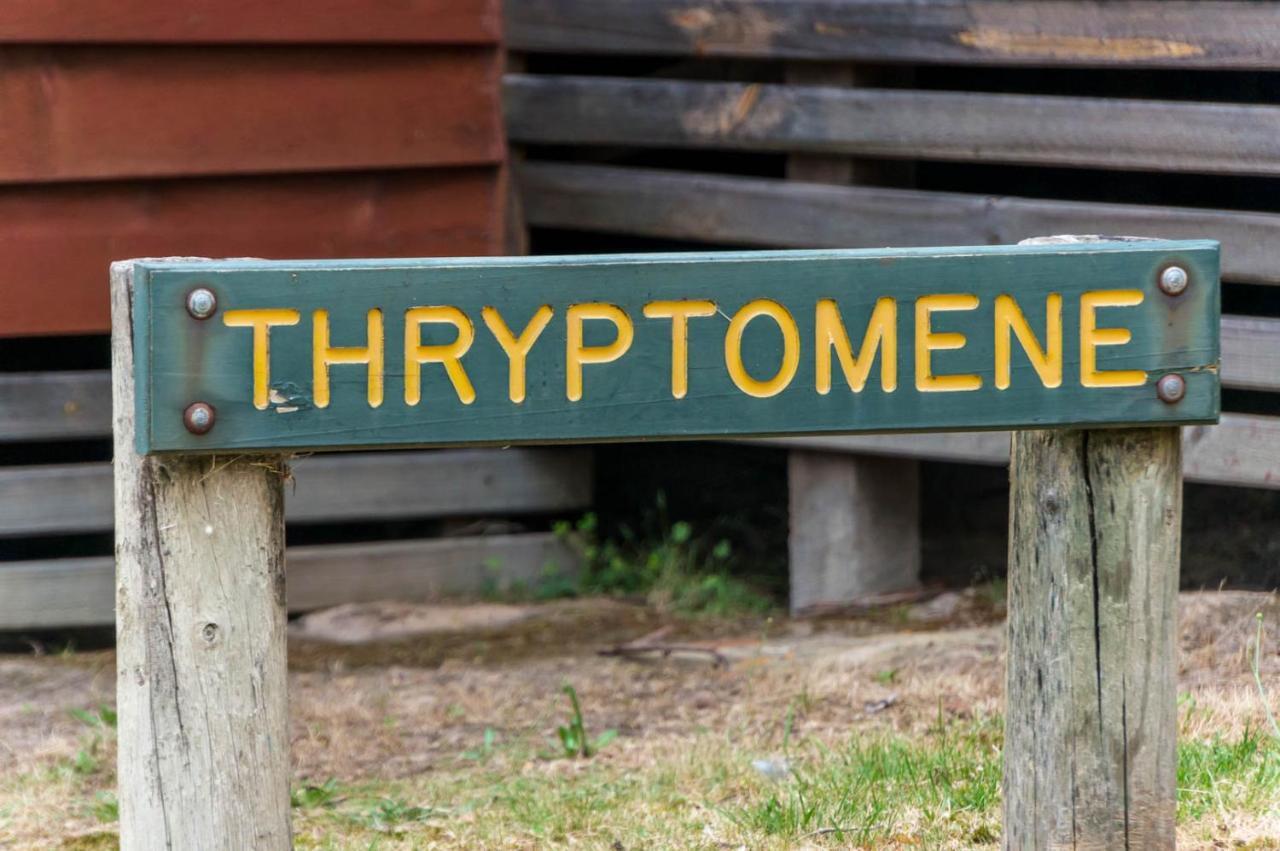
point(315, 796)
point(391, 814)
point(106, 808)
point(486, 747)
point(574, 741)
point(101, 724)
point(667, 563)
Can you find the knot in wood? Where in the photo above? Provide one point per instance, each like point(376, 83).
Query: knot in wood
point(209, 632)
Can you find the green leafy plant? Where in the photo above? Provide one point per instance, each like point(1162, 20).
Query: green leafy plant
point(666, 563)
point(574, 741)
point(315, 796)
point(101, 724)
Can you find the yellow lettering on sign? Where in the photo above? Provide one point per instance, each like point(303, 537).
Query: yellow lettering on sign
point(790, 348)
point(449, 354)
point(261, 321)
point(517, 348)
point(882, 332)
point(576, 354)
point(322, 355)
point(1091, 336)
point(679, 312)
point(928, 341)
point(1010, 321)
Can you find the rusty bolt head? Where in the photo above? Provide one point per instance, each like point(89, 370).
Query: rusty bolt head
point(198, 417)
point(1173, 280)
point(201, 303)
point(1171, 388)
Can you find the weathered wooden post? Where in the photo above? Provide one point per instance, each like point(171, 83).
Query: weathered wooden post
point(1095, 520)
point(200, 625)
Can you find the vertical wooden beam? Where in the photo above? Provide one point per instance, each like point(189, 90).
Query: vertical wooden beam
point(1090, 755)
point(854, 527)
point(855, 521)
point(200, 622)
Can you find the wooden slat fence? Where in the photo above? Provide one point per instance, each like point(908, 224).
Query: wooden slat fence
point(623, 105)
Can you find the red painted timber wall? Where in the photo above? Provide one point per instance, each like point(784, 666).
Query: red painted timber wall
point(298, 128)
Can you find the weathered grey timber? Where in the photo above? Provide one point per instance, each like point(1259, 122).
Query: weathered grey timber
point(80, 591)
point(1242, 451)
point(764, 212)
point(963, 126)
point(53, 498)
point(855, 527)
point(1090, 725)
point(200, 622)
point(1120, 33)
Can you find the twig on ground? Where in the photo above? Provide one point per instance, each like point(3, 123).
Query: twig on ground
point(652, 644)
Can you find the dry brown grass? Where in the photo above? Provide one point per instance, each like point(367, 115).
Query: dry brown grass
point(393, 726)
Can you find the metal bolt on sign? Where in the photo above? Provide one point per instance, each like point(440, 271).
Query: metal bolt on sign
point(198, 417)
point(201, 303)
point(1171, 388)
point(1173, 280)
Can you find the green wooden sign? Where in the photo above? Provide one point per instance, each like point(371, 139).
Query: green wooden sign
point(259, 355)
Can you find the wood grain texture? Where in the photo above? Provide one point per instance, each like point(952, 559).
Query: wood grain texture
point(75, 113)
point(243, 21)
point(962, 126)
point(80, 591)
point(200, 638)
point(57, 498)
point(1123, 34)
point(1241, 451)
point(716, 209)
point(59, 238)
point(855, 527)
point(634, 396)
point(1091, 722)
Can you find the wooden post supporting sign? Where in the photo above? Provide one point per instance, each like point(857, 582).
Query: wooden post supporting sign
point(200, 621)
point(1097, 352)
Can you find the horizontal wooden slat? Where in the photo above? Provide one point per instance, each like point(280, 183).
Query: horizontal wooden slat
point(764, 212)
point(59, 405)
point(88, 113)
point(57, 241)
point(55, 405)
point(57, 498)
point(277, 21)
point(1250, 353)
point(1120, 33)
point(81, 591)
point(1242, 450)
point(1073, 131)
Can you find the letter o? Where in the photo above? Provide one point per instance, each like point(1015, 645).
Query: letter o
point(790, 348)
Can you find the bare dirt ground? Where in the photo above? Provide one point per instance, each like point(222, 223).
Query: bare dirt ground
point(413, 688)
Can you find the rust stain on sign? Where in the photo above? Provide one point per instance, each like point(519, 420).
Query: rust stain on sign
point(1049, 45)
